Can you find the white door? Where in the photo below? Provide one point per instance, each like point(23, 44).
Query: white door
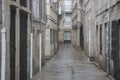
point(67, 36)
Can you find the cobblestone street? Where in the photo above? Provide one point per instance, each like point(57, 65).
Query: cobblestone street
point(70, 64)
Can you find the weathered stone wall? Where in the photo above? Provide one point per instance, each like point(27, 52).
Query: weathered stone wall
point(92, 34)
point(36, 47)
point(102, 19)
point(25, 8)
point(9, 3)
point(96, 19)
point(62, 28)
point(76, 22)
point(51, 29)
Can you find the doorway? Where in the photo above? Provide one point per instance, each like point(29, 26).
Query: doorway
point(119, 52)
point(115, 49)
point(101, 39)
point(23, 45)
point(12, 43)
point(81, 37)
point(107, 47)
point(67, 37)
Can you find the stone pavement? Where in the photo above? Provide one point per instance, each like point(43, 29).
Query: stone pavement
point(70, 64)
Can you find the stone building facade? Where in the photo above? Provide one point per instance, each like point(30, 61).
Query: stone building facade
point(65, 21)
point(101, 30)
point(38, 32)
point(89, 27)
point(15, 39)
point(51, 35)
point(17, 23)
point(77, 26)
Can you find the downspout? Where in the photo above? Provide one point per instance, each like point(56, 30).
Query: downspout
point(31, 55)
point(89, 43)
point(40, 35)
point(3, 41)
point(40, 50)
point(31, 43)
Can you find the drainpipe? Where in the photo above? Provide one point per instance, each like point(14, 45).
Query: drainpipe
point(3, 41)
point(31, 55)
point(40, 50)
point(89, 43)
point(31, 42)
point(40, 33)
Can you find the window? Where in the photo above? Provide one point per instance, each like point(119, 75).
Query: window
point(67, 8)
point(67, 22)
point(67, 2)
point(67, 5)
point(36, 8)
point(68, 18)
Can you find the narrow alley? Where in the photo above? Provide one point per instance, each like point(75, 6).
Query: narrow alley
point(70, 64)
point(59, 39)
